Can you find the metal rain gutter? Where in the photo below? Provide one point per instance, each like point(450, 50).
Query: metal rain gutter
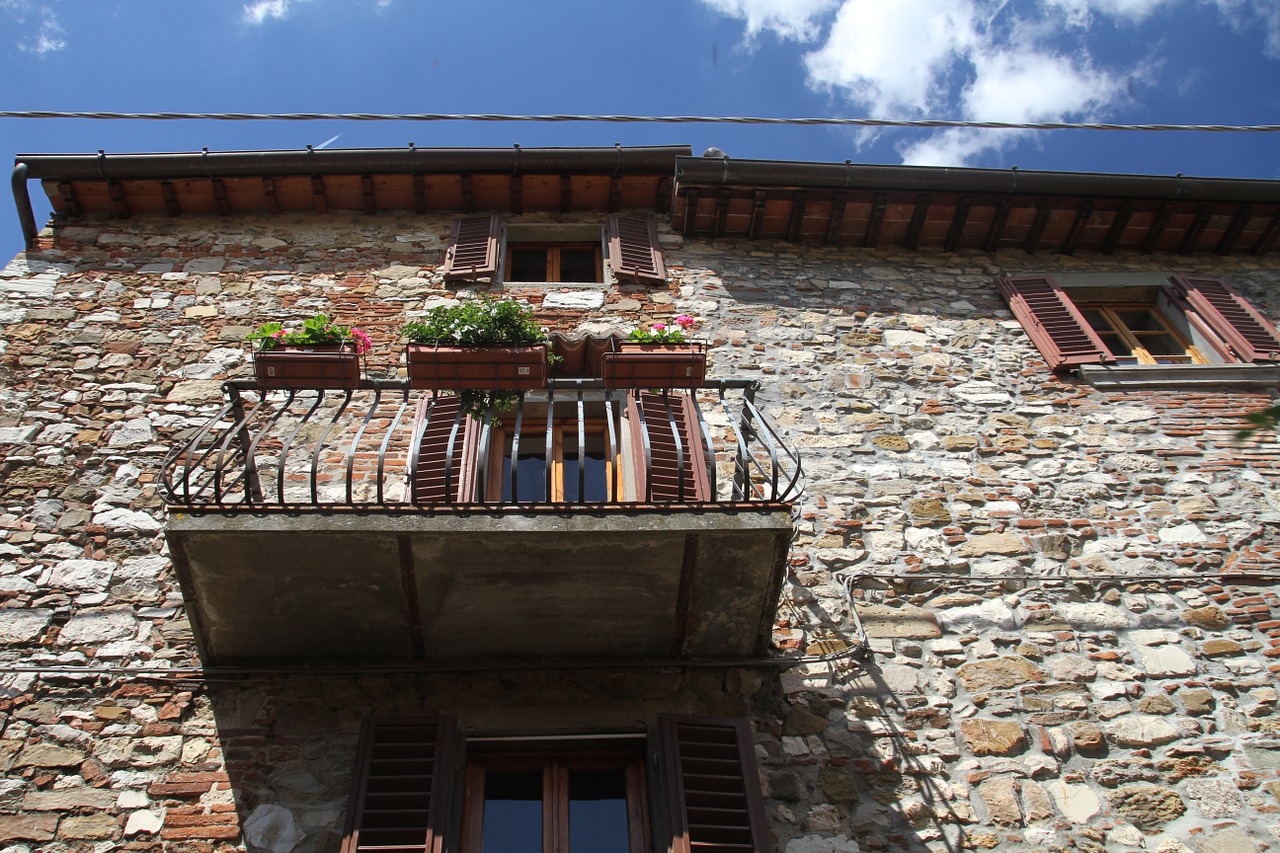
point(22, 200)
point(777, 173)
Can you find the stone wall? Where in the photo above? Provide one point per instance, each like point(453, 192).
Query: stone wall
point(1064, 646)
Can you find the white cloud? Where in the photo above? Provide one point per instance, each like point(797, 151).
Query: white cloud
point(260, 10)
point(43, 34)
point(1246, 15)
point(791, 19)
point(989, 60)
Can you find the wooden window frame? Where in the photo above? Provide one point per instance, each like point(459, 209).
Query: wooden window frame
point(592, 428)
point(1133, 340)
point(555, 761)
point(553, 265)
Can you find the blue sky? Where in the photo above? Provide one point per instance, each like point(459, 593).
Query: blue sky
point(1125, 61)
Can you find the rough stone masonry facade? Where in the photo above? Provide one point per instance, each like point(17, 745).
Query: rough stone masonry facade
point(1120, 697)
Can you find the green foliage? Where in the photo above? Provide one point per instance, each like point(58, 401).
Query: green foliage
point(1268, 418)
point(487, 321)
point(319, 329)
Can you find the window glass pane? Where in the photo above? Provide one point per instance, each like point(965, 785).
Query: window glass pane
point(598, 811)
point(512, 812)
point(526, 264)
point(597, 486)
point(531, 470)
point(578, 265)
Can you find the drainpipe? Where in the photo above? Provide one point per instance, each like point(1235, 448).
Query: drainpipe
point(22, 200)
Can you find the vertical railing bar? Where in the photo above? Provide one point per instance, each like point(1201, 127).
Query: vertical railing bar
point(741, 470)
point(775, 440)
point(675, 435)
point(613, 485)
point(415, 446)
point(647, 446)
point(482, 455)
point(582, 448)
point(549, 448)
point(355, 444)
point(515, 451)
point(709, 449)
point(320, 442)
point(242, 435)
point(766, 440)
point(386, 440)
point(224, 445)
point(257, 439)
point(288, 442)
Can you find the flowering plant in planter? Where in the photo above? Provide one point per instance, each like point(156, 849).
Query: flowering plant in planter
point(657, 357)
point(661, 333)
point(318, 354)
point(314, 331)
point(484, 350)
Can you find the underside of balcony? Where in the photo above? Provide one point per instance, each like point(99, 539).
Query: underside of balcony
point(389, 526)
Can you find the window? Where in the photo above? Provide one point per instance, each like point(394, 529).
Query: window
point(644, 447)
point(590, 792)
point(1189, 320)
point(485, 247)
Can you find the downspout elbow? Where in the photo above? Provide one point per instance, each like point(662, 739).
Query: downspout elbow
point(22, 200)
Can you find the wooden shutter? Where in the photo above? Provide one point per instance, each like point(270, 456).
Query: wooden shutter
point(404, 787)
point(658, 422)
point(473, 248)
point(633, 250)
point(1055, 326)
point(445, 470)
point(712, 786)
point(1246, 331)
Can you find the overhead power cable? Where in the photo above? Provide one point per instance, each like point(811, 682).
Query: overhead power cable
point(635, 119)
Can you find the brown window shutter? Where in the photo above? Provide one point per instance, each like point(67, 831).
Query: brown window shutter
point(712, 785)
point(1054, 325)
point(473, 248)
point(676, 450)
point(633, 250)
point(1244, 329)
point(404, 787)
point(445, 469)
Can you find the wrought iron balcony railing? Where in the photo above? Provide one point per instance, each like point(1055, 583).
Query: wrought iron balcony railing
point(573, 445)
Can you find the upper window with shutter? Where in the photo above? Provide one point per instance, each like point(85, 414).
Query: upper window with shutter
point(485, 248)
point(1138, 321)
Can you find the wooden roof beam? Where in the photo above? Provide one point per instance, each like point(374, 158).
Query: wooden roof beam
point(1077, 227)
point(722, 210)
point(370, 199)
point(615, 194)
point(836, 220)
point(690, 213)
point(799, 201)
point(998, 222)
point(318, 198)
point(1263, 245)
point(419, 194)
point(1038, 225)
point(1118, 225)
point(757, 214)
point(1192, 236)
point(67, 192)
point(879, 203)
point(468, 197)
point(269, 194)
point(118, 202)
point(664, 202)
point(914, 229)
point(957, 225)
point(1232, 235)
point(515, 193)
point(566, 193)
point(220, 196)
point(171, 205)
point(1161, 221)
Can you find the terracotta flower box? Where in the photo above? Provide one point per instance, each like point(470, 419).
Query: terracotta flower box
point(485, 368)
point(640, 365)
point(319, 366)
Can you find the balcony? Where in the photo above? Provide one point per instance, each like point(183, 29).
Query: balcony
point(391, 526)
